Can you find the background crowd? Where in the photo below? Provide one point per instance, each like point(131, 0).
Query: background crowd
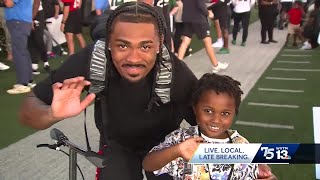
point(28, 40)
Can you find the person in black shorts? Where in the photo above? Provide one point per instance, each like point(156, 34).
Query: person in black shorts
point(71, 24)
point(194, 17)
point(222, 13)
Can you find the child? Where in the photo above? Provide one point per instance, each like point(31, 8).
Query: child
point(216, 101)
point(295, 17)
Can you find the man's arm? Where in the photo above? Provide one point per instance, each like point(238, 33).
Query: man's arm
point(56, 11)
point(66, 9)
point(35, 8)
point(36, 113)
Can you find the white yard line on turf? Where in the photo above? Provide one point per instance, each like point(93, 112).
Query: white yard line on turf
point(301, 70)
point(294, 62)
point(299, 50)
point(273, 105)
point(281, 90)
point(296, 55)
point(265, 125)
point(286, 79)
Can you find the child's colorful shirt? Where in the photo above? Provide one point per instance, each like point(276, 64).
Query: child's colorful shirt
point(181, 170)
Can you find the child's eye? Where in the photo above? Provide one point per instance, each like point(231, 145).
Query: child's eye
point(209, 111)
point(225, 113)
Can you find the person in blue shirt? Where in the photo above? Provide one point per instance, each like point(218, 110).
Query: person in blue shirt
point(101, 6)
point(18, 15)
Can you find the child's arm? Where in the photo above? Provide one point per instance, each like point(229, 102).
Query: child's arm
point(157, 159)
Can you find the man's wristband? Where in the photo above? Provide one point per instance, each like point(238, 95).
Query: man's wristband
point(63, 22)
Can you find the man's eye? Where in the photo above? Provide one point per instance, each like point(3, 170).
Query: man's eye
point(146, 47)
point(122, 46)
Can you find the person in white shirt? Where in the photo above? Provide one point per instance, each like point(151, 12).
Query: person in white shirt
point(241, 14)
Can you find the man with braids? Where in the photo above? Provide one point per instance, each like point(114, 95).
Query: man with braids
point(130, 114)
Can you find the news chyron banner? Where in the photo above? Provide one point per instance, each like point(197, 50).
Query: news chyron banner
point(257, 153)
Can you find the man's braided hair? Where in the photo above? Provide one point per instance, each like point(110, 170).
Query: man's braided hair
point(218, 84)
point(136, 12)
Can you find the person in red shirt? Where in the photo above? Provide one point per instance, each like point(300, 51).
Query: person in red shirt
point(295, 17)
point(71, 23)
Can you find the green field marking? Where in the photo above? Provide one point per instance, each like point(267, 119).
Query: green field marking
point(293, 76)
point(286, 79)
point(264, 125)
point(273, 105)
point(281, 90)
point(301, 70)
point(298, 50)
point(296, 55)
point(294, 62)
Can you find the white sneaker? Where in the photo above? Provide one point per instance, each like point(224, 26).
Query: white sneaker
point(219, 67)
point(30, 85)
point(218, 44)
point(35, 68)
point(306, 46)
point(19, 89)
point(64, 53)
point(3, 67)
point(35, 72)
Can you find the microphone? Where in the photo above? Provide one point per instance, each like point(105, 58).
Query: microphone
point(57, 135)
point(96, 159)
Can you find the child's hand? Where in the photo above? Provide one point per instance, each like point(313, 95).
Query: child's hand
point(188, 147)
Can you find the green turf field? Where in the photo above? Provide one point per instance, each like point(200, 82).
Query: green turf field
point(296, 121)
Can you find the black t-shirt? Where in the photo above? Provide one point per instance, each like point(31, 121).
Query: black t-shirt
point(128, 122)
point(49, 7)
point(220, 8)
